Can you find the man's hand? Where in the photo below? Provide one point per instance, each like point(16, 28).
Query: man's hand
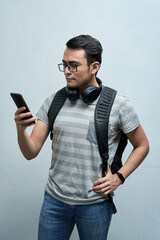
point(107, 184)
point(20, 121)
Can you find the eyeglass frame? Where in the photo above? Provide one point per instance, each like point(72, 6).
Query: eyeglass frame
point(69, 66)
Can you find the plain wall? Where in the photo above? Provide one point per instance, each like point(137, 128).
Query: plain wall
point(33, 34)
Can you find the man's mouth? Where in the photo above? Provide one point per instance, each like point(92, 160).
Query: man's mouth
point(69, 79)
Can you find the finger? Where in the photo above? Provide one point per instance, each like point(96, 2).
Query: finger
point(108, 170)
point(30, 124)
point(22, 116)
point(99, 181)
point(19, 110)
point(104, 191)
point(101, 186)
point(27, 122)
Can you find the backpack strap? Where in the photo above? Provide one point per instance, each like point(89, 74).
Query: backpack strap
point(102, 113)
point(101, 116)
point(55, 107)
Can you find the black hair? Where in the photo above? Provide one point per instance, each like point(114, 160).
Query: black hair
point(91, 46)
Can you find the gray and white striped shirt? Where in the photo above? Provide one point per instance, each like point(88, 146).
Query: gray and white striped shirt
point(76, 162)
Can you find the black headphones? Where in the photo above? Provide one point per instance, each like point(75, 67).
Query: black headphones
point(88, 95)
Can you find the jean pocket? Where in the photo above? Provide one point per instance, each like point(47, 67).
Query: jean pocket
point(91, 134)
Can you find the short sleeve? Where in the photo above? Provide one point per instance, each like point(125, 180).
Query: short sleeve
point(42, 113)
point(129, 120)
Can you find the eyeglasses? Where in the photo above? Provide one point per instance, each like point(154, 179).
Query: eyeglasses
point(71, 67)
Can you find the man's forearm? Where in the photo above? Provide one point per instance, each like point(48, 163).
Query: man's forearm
point(140, 144)
point(27, 145)
point(134, 160)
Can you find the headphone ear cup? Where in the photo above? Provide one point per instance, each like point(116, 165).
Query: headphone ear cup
point(90, 94)
point(72, 93)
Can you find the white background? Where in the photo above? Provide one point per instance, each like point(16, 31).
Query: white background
point(33, 34)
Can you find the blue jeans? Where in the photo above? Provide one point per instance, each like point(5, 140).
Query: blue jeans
point(57, 220)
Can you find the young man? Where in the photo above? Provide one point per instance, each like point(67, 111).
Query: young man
point(76, 192)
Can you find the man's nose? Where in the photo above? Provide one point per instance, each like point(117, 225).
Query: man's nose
point(66, 70)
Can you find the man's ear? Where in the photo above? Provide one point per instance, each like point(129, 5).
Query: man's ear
point(95, 66)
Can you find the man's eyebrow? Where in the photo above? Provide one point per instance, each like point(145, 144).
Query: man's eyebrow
point(71, 62)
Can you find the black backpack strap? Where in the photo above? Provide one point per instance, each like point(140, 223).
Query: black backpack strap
point(102, 113)
point(55, 107)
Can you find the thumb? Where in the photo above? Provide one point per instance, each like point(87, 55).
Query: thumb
point(108, 170)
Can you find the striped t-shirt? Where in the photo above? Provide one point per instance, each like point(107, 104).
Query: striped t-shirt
point(76, 162)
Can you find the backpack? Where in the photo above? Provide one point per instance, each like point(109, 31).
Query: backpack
point(101, 117)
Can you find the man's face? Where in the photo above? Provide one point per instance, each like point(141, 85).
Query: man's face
point(84, 76)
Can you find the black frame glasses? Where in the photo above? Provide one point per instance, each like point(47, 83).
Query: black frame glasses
point(71, 67)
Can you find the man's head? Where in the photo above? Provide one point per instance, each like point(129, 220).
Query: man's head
point(91, 46)
point(81, 62)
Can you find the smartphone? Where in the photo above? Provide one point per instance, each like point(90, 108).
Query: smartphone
point(20, 102)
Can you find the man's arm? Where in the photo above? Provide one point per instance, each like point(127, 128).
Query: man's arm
point(30, 145)
point(111, 181)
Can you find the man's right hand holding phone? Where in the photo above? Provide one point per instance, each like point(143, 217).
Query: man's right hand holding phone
point(23, 119)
